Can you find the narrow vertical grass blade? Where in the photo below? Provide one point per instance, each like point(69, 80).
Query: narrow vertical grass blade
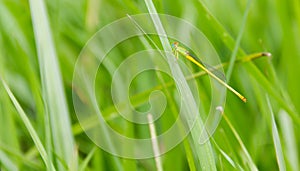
point(52, 85)
point(237, 43)
point(204, 151)
point(249, 160)
point(30, 128)
point(290, 141)
point(276, 140)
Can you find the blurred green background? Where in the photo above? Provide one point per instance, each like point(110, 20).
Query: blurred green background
point(38, 50)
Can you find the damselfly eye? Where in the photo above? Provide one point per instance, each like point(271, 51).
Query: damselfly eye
point(174, 45)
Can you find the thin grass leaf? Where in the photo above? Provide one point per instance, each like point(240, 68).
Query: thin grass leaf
point(204, 151)
point(276, 140)
point(226, 156)
point(164, 86)
point(74, 162)
point(189, 155)
point(53, 90)
point(238, 41)
point(109, 65)
point(290, 141)
point(155, 146)
point(27, 161)
point(29, 127)
point(188, 150)
point(9, 141)
point(249, 160)
point(7, 163)
point(86, 161)
point(25, 55)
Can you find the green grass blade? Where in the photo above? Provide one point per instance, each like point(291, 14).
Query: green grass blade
point(7, 163)
point(164, 86)
point(54, 96)
point(20, 157)
point(155, 145)
point(290, 140)
point(225, 155)
point(249, 160)
point(276, 140)
point(228, 158)
point(74, 161)
point(238, 41)
point(29, 127)
point(86, 161)
point(204, 151)
point(23, 56)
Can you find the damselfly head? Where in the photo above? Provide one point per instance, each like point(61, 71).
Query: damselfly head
point(174, 45)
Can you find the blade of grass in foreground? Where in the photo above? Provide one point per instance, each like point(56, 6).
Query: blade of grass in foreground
point(204, 151)
point(30, 128)
point(9, 24)
point(288, 133)
point(164, 86)
point(53, 91)
point(276, 140)
point(154, 141)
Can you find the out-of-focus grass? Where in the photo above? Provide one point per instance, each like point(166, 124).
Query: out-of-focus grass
point(272, 26)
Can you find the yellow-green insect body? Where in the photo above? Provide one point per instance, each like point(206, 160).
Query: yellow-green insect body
point(180, 50)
